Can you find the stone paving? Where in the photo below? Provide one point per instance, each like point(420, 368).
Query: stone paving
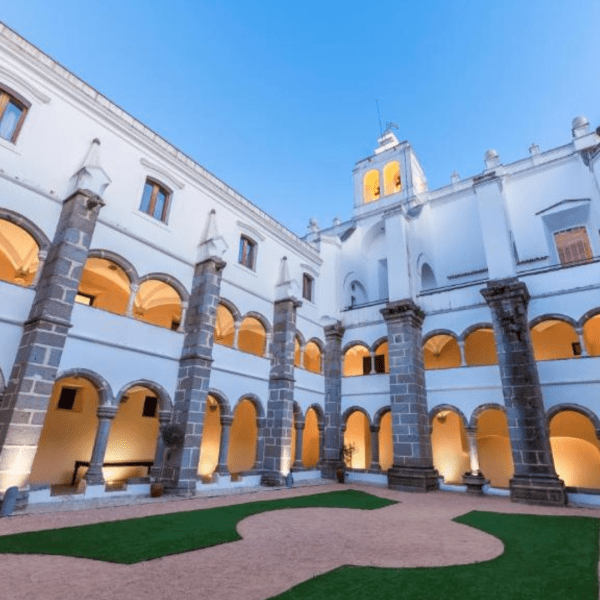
point(279, 549)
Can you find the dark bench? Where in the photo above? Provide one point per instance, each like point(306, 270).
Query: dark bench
point(124, 463)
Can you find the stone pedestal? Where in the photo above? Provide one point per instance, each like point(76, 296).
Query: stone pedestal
point(280, 407)
point(181, 465)
point(535, 481)
point(474, 483)
point(412, 468)
point(331, 460)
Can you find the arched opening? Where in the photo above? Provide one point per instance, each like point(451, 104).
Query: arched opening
point(312, 357)
point(480, 348)
point(297, 353)
point(441, 352)
point(428, 281)
point(591, 335)
point(158, 303)
point(211, 437)
point(224, 327)
point(356, 294)
point(252, 336)
point(382, 359)
point(493, 444)
point(386, 447)
point(575, 449)
point(243, 438)
point(372, 190)
point(554, 339)
point(18, 254)
point(104, 284)
point(357, 361)
point(391, 178)
point(310, 441)
point(133, 434)
point(358, 437)
point(68, 433)
point(450, 446)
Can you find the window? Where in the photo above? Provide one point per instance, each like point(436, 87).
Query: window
point(155, 200)
point(391, 178)
point(150, 404)
point(307, 287)
point(372, 191)
point(573, 245)
point(247, 254)
point(12, 115)
point(66, 400)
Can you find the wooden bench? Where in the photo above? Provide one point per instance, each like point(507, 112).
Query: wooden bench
point(124, 463)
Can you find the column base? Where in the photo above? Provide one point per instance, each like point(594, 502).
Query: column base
point(474, 483)
point(273, 479)
point(547, 491)
point(94, 478)
point(329, 468)
point(413, 479)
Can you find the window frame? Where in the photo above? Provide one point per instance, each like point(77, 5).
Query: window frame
point(247, 259)
point(6, 97)
point(308, 287)
point(157, 187)
point(560, 250)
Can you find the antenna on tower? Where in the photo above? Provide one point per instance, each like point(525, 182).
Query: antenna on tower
point(379, 116)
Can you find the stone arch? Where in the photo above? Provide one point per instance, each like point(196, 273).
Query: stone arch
point(259, 317)
point(105, 282)
point(169, 280)
point(318, 411)
point(589, 326)
point(352, 409)
point(311, 439)
point(105, 394)
point(378, 343)
point(164, 400)
point(353, 360)
point(313, 363)
point(380, 413)
point(298, 414)
point(299, 343)
point(260, 412)
point(355, 291)
point(442, 407)
point(583, 410)
point(246, 434)
point(30, 227)
point(479, 346)
point(254, 342)
point(158, 302)
point(447, 355)
point(473, 328)
point(436, 332)
point(590, 314)
point(118, 260)
point(356, 425)
point(482, 408)
point(223, 402)
point(556, 344)
point(232, 308)
point(378, 365)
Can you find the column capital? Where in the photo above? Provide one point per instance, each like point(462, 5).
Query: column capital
point(403, 309)
point(226, 421)
point(261, 422)
point(334, 331)
point(294, 302)
point(106, 412)
point(164, 417)
point(299, 425)
point(374, 428)
point(216, 263)
point(510, 288)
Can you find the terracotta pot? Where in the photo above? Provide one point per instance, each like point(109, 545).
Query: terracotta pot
point(156, 490)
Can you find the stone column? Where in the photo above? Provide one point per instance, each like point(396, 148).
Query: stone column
point(321, 430)
point(261, 423)
point(375, 449)
point(134, 289)
point(181, 464)
point(474, 479)
point(412, 467)
point(581, 339)
point(164, 418)
point(42, 255)
point(535, 481)
point(25, 403)
point(94, 475)
point(463, 357)
point(298, 464)
point(224, 445)
point(331, 458)
point(280, 407)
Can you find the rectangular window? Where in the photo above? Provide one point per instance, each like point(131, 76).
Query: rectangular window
point(12, 115)
point(86, 299)
point(379, 363)
point(307, 287)
point(247, 253)
point(573, 245)
point(366, 365)
point(66, 400)
point(155, 200)
point(150, 405)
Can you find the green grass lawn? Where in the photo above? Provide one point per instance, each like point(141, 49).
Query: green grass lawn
point(545, 558)
point(135, 540)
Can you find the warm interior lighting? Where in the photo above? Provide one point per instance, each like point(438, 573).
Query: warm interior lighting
point(372, 191)
point(441, 352)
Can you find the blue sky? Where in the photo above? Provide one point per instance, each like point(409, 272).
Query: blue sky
point(277, 98)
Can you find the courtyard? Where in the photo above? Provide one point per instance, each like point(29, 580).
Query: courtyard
point(276, 550)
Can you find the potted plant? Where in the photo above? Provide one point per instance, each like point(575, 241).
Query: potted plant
point(346, 452)
point(173, 437)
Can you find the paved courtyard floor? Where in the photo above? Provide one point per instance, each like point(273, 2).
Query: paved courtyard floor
point(279, 549)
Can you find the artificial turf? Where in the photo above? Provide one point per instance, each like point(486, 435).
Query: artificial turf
point(135, 540)
point(545, 558)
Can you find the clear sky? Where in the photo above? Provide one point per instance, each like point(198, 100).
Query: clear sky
point(277, 98)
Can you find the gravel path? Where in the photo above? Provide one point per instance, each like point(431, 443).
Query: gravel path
point(279, 549)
